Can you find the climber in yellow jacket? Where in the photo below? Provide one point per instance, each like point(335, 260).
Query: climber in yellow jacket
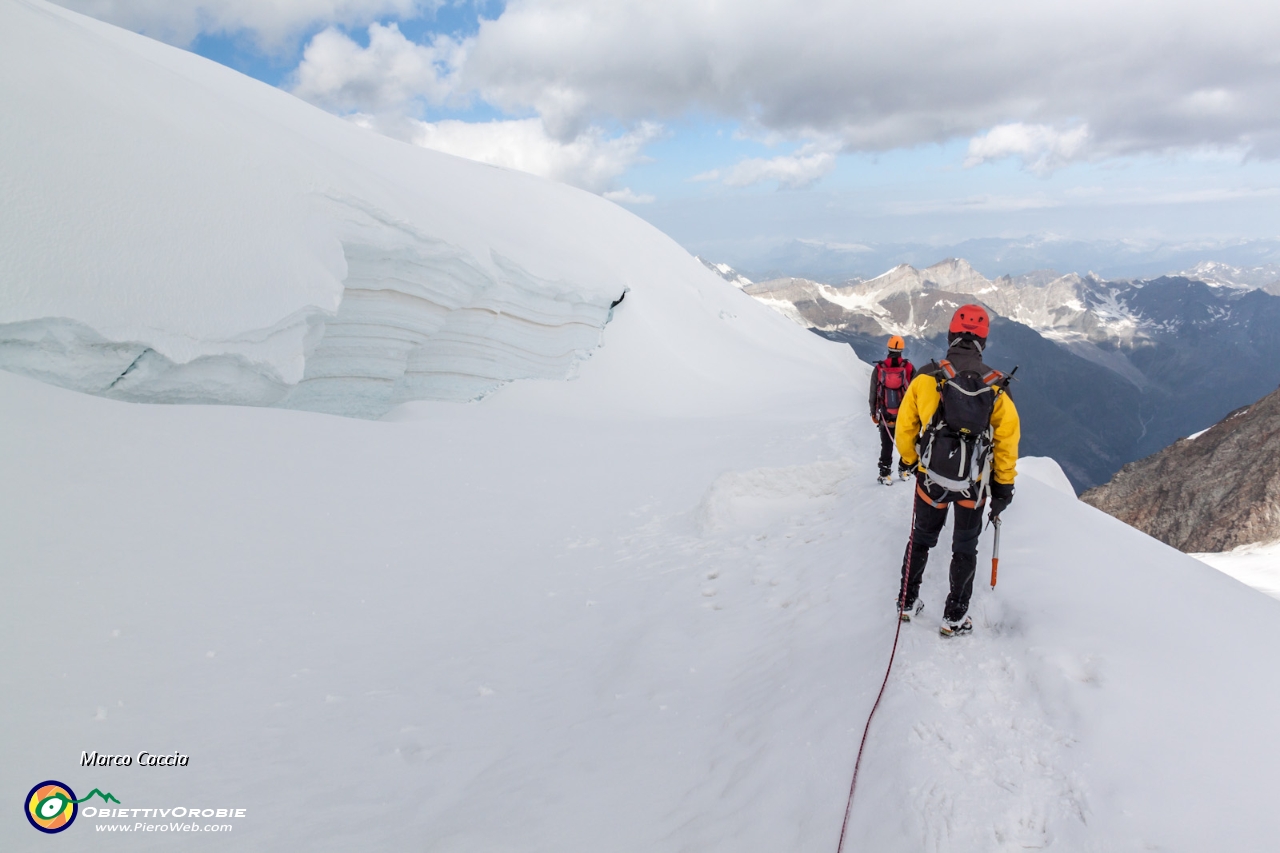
point(964, 458)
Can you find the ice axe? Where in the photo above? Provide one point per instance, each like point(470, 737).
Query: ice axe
point(995, 519)
point(995, 550)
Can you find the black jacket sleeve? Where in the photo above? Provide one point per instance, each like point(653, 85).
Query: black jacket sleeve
point(875, 386)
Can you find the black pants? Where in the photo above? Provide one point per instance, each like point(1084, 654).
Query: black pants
point(886, 447)
point(964, 550)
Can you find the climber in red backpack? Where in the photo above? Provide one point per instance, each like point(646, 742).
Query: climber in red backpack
point(889, 381)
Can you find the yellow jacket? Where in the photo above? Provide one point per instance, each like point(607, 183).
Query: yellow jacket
point(917, 409)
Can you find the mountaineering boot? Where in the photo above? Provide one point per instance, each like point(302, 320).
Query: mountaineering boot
point(904, 472)
point(954, 629)
point(885, 478)
point(910, 610)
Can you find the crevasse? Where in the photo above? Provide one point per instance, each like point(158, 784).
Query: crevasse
point(419, 319)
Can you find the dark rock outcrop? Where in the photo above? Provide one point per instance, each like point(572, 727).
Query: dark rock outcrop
point(1213, 492)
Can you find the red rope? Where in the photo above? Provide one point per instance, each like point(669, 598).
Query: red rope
point(902, 600)
point(888, 432)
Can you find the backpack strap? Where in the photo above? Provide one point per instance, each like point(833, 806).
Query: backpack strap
point(997, 381)
point(942, 375)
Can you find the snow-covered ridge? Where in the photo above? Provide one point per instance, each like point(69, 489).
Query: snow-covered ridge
point(1264, 277)
point(726, 272)
point(220, 241)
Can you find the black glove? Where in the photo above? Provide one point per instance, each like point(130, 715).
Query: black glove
point(1001, 497)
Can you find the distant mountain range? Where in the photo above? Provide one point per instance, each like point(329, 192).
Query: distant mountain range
point(1265, 277)
point(1213, 491)
point(1116, 259)
point(1110, 371)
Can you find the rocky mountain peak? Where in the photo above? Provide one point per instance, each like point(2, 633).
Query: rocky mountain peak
point(954, 275)
point(953, 272)
point(1212, 492)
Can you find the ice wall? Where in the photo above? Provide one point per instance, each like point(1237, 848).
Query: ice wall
point(65, 352)
point(418, 320)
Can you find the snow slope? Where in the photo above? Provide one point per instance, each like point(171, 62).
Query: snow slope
point(1257, 564)
point(646, 609)
point(493, 628)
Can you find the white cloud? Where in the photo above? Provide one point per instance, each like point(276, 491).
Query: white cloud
point(388, 75)
point(1016, 78)
point(627, 196)
point(1040, 147)
point(1147, 75)
point(270, 22)
point(793, 171)
point(386, 83)
point(592, 160)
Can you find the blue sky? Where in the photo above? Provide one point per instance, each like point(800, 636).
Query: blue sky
point(742, 128)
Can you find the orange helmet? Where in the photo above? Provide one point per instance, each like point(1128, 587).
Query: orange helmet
point(897, 344)
point(972, 319)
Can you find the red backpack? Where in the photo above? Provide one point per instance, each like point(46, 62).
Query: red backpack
point(892, 382)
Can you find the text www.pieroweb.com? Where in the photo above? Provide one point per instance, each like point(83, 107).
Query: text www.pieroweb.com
point(163, 827)
point(190, 820)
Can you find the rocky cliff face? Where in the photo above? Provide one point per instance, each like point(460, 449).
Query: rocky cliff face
point(1213, 492)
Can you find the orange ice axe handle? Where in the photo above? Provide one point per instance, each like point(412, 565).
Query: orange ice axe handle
point(995, 552)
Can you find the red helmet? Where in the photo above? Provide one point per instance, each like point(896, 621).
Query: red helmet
point(970, 318)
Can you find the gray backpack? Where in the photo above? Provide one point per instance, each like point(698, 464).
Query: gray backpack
point(955, 449)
